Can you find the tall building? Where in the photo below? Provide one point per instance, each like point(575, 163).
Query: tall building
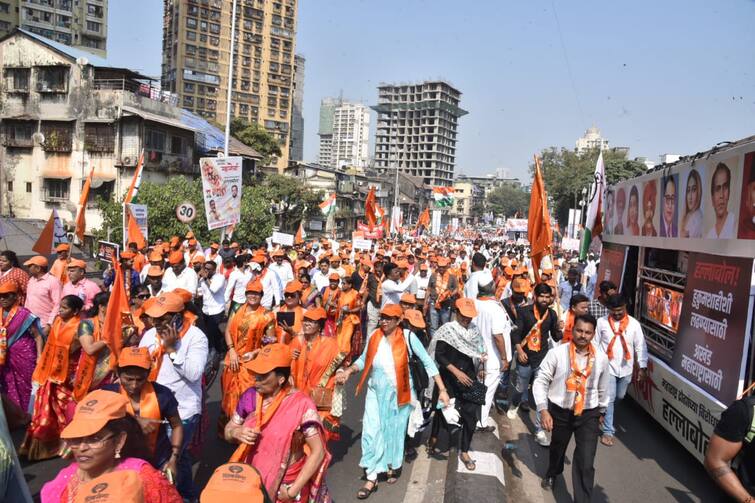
point(297, 111)
point(592, 139)
point(196, 52)
point(81, 24)
point(417, 129)
point(344, 133)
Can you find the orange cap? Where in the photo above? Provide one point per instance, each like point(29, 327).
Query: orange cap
point(169, 302)
point(174, 241)
point(38, 260)
point(128, 254)
point(415, 318)
point(466, 307)
point(293, 287)
point(198, 259)
point(315, 313)
point(366, 261)
point(519, 285)
point(63, 247)
point(254, 286)
point(156, 256)
point(259, 258)
point(93, 413)
point(134, 356)
point(392, 310)
point(233, 482)
point(189, 235)
point(9, 287)
point(443, 261)
point(277, 253)
point(77, 263)
point(120, 486)
point(155, 270)
point(192, 242)
point(508, 271)
point(175, 257)
point(270, 357)
point(423, 267)
point(185, 295)
point(409, 298)
point(334, 276)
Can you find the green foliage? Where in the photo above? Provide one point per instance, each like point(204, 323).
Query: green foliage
point(507, 200)
point(566, 173)
point(257, 137)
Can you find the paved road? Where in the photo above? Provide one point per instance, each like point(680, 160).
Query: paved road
point(645, 465)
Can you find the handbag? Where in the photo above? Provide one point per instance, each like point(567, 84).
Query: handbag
point(323, 397)
point(336, 410)
point(420, 379)
point(475, 393)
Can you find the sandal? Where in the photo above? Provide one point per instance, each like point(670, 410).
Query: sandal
point(469, 463)
point(391, 477)
point(606, 440)
point(365, 492)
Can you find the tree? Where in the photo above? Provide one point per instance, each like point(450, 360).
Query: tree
point(566, 173)
point(507, 200)
point(257, 137)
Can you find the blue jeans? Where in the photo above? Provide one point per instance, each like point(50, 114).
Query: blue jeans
point(521, 383)
point(617, 388)
point(439, 316)
point(185, 479)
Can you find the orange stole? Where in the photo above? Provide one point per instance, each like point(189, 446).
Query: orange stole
point(261, 419)
point(157, 356)
point(400, 361)
point(330, 300)
point(313, 361)
point(85, 371)
point(349, 322)
point(568, 327)
point(149, 408)
point(53, 364)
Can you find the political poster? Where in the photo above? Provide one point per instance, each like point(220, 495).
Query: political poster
point(612, 261)
point(107, 251)
point(282, 238)
point(221, 186)
point(713, 326)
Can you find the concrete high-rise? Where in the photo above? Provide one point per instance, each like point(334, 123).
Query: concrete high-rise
point(344, 133)
point(196, 52)
point(297, 111)
point(80, 24)
point(417, 129)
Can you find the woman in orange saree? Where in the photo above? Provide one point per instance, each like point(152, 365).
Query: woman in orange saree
point(279, 431)
point(315, 361)
point(348, 322)
point(54, 375)
point(243, 335)
point(291, 304)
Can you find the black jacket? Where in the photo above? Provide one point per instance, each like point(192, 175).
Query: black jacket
point(524, 322)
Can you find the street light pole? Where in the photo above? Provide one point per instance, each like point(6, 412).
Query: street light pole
point(230, 81)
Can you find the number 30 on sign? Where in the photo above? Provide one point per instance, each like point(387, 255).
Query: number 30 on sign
point(186, 212)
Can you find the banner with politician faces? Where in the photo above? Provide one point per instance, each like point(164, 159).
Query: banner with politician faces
point(705, 205)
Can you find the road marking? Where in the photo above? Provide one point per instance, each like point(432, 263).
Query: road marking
point(415, 489)
point(487, 463)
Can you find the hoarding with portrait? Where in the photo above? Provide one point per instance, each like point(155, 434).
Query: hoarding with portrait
point(221, 189)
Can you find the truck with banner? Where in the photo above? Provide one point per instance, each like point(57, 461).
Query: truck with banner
point(680, 242)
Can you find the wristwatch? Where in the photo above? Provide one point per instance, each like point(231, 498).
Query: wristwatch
point(172, 356)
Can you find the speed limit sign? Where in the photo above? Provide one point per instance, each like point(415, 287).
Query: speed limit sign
point(186, 212)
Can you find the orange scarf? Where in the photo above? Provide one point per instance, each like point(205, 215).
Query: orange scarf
point(53, 364)
point(441, 289)
point(568, 326)
point(247, 328)
point(534, 339)
point(4, 322)
point(149, 408)
point(157, 356)
point(400, 361)
point(577, 381)
point(330, 300)
point(261, 419)
point(87, 364)
point(620, 334)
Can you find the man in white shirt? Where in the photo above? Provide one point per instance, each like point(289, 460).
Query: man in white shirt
point(180, 351)
point(620, 337)
point(281, 267)
point(178, 275)
point(212, 290)
point(495, 327)
point(235, 290)
point(271, 284)
point(478, 268)
point(571, 394)
point(423, 280)
point(393, 286)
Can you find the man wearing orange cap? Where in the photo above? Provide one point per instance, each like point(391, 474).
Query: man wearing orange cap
point(192, 251)
point(155, 259)
point(152, 404)
point(179, 355)
point(130, 276)
point(42, 292)
point(178, 275)
point(79, 285)
point(59, 268)
point(212, 254)
point(442, 290)
point(282, 267)
point(154, 280)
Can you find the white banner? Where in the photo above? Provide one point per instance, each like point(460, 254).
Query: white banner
point(436, 222)
point(141, 213)
point(282, 238)
point(570, 244)
point(361, 244)
point(221, 184)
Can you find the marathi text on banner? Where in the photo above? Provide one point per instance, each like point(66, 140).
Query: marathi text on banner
point(221, 186)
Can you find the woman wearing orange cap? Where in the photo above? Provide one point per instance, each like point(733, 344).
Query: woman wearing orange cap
point(244, 334)
point(20, 343)
point(54, 374)
point(10, 270)
point(291, 304)
point(385, 367)
point(348, 323)
point(330, 302)
point(279, 431)
point(315, 361)
point(105, 439)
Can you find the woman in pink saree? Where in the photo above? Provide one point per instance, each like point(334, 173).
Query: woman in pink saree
point(279, 431)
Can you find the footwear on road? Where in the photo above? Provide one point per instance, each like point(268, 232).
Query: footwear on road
point(542, 438)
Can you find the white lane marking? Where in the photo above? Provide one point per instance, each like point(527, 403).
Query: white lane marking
point(415, 489)
point(487, 463)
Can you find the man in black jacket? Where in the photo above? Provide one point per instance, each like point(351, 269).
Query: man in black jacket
point(535, 323)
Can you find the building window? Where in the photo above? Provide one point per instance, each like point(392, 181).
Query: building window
point(99, 138)
point(215, 41)
point(203, 25)
point(175, 145)
point(214, 28)
point(18, 133)
point(191, 23)
point(93, 26)
point(188, 87)
point(28, 187)
point(191, 35)
point(55, 190)
point(10, 186)
point(154, 140)
point(4, 8)
point(104, 191)
point(52, 79)
point(191, 49)
point(58, 136)
point(94, 10)
point(17, 80)
point(188, 101)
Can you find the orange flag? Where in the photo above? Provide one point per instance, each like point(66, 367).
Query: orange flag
point(116, 314)
point(134, 232)
point(370, 208)
point(43, 246)
point(539, 221)
point(81, 216)
point(424, 218)
point(299, 236)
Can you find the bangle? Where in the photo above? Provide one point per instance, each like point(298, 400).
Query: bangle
point(441, 390)
point(231, 346)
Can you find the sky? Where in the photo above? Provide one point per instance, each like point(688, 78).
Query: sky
point(672, 76)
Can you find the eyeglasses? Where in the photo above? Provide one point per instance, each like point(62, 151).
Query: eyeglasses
point(387, 319)
point(92, 442)
point(143, 296)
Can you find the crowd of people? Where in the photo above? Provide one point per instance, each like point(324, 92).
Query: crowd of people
point(437, 331)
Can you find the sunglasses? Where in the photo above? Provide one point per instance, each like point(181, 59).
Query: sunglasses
point(143, 296)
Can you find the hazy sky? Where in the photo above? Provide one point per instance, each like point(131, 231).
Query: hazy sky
point(671, 76)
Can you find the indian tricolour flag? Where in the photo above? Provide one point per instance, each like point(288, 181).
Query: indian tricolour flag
point(443, 196)
point(594, 223)
point(329, 205)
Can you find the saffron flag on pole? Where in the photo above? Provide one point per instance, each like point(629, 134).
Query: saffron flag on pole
point(136, 182)
point(423, 222)
point(134, 232)
point(300, 235)
point(329, 205)
point(371, 208)
point(52, 235)
point(116, 314)
point(539, 231)
point(594, 222)
point(81, 216)
point(443, 196)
